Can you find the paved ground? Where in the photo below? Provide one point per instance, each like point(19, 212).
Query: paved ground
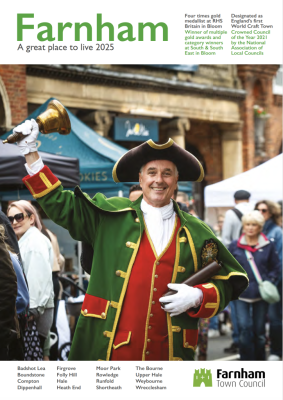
point(215, 348)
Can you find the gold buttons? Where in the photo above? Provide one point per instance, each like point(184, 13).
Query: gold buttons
point(151, 315)
point(148, 340)
point(182, 269)
point(149, 327)
point(118, 273)
point(178, 329)
point(147, 353)
point(105, 333)
point(103, 315)
point(85, 311)
point(157, 262)
point(186, 344)
point(128, 244)
point(153, 302)
point(155, 290)
point(156, 276)
point(137, 220)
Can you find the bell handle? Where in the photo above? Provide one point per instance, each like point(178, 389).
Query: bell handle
point(14, 137)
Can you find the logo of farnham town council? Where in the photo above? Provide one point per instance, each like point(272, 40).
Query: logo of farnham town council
point(202, 376)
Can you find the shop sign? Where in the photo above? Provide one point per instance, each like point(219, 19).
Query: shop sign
point(135, 129)
point(98, 176)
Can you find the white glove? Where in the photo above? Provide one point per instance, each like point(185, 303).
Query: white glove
point(186, 298)
point(31, 131)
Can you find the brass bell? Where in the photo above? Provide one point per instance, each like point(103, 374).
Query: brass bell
point(54, 119)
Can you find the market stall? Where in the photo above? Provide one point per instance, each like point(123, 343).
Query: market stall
point(263, 182)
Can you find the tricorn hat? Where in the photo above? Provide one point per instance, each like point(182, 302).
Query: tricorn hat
point(127, 168)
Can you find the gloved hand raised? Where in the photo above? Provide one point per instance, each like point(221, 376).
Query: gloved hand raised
point(30, 130)
point(186, 298)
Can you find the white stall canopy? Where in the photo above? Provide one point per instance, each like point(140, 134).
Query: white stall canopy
point(263, 182)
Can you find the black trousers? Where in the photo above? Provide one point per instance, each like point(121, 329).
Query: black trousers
point(56, 287)
point(4, 353)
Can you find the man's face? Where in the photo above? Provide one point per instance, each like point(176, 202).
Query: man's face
point(180, 199)
point(158, 181)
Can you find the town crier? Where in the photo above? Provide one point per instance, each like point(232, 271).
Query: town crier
point(140, 249)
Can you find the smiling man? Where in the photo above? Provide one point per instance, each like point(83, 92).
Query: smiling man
point(140, 249)
point(158, 180)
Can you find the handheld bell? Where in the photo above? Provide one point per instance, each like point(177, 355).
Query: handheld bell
point(54, 119)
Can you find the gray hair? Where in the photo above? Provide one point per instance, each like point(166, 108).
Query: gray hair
point(176, 169)
point(253, 217)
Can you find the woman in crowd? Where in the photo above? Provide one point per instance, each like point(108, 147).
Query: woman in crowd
point(16, 350)
point(10, 237)
point(271, 213)
point(9, 326)
point(58, 264)
point(251, 309)
point(37, 256)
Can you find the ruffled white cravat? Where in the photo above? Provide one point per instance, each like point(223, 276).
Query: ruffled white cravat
point(160, 224)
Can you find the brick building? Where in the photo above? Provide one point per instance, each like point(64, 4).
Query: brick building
point(258, 81)
point(13, 95)
point(208, 109)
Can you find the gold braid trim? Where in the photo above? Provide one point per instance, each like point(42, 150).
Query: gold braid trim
point(155, 146)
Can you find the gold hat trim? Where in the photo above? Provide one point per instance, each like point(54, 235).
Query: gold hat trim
point(151, 143)
point(157, 147)
point(201, 173)
point(114, 173)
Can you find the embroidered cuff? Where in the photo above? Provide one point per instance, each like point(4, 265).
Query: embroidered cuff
point(210, 302)
point(41, 183)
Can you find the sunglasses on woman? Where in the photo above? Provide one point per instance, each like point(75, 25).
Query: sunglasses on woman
point(18, 217)
point(263, 210)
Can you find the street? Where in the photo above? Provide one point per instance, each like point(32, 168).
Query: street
point(216, 346)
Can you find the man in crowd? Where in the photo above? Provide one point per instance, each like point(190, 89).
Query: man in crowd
point(232, 225)
point(182, 197)
point(181, 204)
point(232, 229)
point(135, 192)
point(138, 248)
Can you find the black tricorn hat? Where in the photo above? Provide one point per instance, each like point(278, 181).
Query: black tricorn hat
point(127, 168)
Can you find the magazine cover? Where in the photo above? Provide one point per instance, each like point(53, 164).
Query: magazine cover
point(141, 199)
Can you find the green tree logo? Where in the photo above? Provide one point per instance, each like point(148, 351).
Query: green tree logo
point(202, 376)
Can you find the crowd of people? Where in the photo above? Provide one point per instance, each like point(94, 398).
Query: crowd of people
point(31, 261)
point(137, 246)
point(253, 235)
